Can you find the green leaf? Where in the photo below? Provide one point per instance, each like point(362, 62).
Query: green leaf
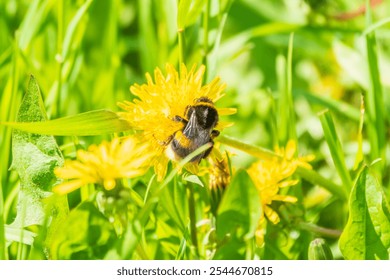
point(237, 217)
point(234, 249)
point(192, 179)
point(175, 203)
point(89, 123)
point(86, 234)
point(240, 209)
point(367, 233)
point(34, 159)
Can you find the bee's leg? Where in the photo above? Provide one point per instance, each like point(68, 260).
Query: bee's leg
point(179, 119)
point(165, 142)
point(214, 133)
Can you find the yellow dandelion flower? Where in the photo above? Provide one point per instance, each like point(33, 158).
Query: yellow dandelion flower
point(159, 111)
point(272, 175)
point(103, 164)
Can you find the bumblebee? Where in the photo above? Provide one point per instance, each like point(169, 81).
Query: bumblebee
point(199, 122)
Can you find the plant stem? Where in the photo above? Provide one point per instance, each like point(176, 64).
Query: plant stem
point(326, 232)
point(317, 179)
point(255, 151)
point(143, 215)
point(309, 175)
point(191, 206)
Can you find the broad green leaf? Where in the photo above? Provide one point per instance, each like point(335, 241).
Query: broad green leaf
point(233, 249)
point(367, 233)
point(89, 123)
point(240, 208)
point(126, 245)
point(85, 234)
point(34, 159)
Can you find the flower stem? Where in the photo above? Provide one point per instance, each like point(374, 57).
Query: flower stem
point(191, 206)
point(315, 178)
point(265, 154)
point(255, 151)
point(325, 232)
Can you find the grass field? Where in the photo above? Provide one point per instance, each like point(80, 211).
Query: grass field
point(203, 129)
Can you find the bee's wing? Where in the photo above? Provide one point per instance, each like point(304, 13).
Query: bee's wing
point(191, 129)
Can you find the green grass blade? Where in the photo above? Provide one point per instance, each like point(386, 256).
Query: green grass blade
point(338, 106)
point(32, 22)
point(375, 104)
point(286, 113)
point(70, 32)
point(195, 11)
point(375, 26)
point(183, 9)
point(212, 56)
point(336, 149)
point(89, 123)
point(274, 28)
point(148, 43)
